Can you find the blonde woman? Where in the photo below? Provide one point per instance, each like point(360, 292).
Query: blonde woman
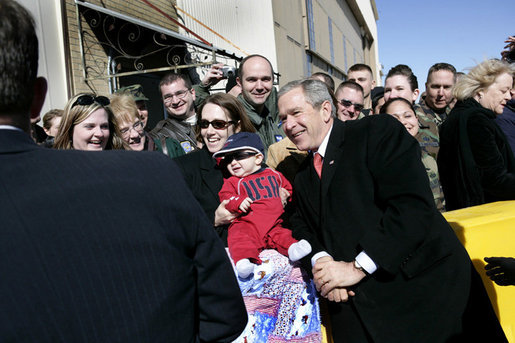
point(88, 124)
point(475, 161)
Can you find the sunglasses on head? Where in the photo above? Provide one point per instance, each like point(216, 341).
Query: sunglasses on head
point(238, 156)
point(217, 124)
point(88, 99)
point(347, 104)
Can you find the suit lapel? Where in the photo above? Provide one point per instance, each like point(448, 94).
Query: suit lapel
point(333, 156)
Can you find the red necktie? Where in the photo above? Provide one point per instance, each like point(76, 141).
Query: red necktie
point(317, 162)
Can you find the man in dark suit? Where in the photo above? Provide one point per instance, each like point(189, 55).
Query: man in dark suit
point(391, 267)
point(98, 247)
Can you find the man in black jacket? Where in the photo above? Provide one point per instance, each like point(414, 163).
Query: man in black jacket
point(93, 248)
point(388, 262)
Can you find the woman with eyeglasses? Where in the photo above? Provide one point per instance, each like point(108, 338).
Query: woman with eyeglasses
point(130, 123)
point(88, 124)
point(219, 117)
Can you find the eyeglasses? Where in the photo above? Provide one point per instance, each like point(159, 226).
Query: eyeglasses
point(218, 124)
point(347, 104)
point(138, 126)
point(88, 99)
point(179, 95)
point(238, 156)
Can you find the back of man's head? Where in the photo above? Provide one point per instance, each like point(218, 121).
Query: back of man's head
point(18, 58)
point(325, 78)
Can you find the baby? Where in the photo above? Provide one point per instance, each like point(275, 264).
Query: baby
point(254, 193)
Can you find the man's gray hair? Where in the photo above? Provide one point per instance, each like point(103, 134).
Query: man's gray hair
point(315, 92)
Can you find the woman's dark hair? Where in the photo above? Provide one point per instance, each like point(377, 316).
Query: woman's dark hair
point(404, 70)
point(392, 100)
point(232, 107)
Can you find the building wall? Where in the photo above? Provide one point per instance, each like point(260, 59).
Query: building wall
point(326, 36)
point(290, 36)
point(49, 28)
point(240, 26)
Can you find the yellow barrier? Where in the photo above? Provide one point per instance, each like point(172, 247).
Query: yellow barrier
point(485, 231)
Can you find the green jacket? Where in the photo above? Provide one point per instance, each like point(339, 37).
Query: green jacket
point(267, 124)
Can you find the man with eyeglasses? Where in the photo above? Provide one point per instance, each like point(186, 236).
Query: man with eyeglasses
point(179, 102)
point(350, 100)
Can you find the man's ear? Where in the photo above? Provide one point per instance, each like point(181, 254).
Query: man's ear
point(326, 109)
point(238, 81)
point(193, 95)
point(40, 88)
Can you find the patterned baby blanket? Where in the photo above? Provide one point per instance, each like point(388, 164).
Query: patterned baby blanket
point(281, 303)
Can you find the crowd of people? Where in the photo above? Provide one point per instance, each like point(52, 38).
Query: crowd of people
point(345, 183)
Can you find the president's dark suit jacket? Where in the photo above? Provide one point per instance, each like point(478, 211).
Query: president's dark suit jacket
point(107, 247)
point(374, 196)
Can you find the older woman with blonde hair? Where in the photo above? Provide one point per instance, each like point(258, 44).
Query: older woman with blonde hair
point(88, 124)
point(129, 122)
point(475, 161)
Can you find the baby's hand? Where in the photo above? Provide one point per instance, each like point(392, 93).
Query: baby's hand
point(245, 205)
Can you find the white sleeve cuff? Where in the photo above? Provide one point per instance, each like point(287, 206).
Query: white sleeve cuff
point(365, 262)
point(317, 256)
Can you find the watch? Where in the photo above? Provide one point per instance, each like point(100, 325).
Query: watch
point(358, 266)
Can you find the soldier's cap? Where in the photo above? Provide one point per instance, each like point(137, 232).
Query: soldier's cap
point(135, 90)
point(241, 141)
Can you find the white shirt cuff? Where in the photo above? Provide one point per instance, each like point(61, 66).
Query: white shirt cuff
point(317, 256)
point(365, 262)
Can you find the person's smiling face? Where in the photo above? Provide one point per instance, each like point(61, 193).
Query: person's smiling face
point(92, 133)
point(304, 125)
point(213, 138)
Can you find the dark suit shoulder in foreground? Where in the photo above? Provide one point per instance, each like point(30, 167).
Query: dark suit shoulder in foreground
point(108, 247)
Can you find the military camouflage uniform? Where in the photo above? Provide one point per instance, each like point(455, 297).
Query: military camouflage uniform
point(427, 135)
point(438, 119)
point(434, 181)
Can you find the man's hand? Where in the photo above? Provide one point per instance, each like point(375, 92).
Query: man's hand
point(284, 194)
point(213, 76)
point(501, 270)
point(339, 294)
point(222, 215)
point(329, 275)
point(245, 205)
point(507, 53)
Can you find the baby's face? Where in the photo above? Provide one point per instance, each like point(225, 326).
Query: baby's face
point(244, 162)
